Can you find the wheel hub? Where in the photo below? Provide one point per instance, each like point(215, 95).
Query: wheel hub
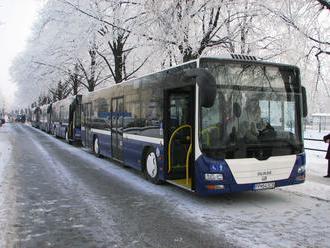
point(152, 165)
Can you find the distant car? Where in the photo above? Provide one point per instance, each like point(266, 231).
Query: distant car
point(20, 118)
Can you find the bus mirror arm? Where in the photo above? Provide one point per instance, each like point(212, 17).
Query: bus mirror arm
point(206, 83)
point(304, 101)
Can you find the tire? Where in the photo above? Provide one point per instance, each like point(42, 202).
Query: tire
point(151, 167)
point(96, 147)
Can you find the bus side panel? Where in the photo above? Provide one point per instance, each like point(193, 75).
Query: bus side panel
point(77, 134)
point(133, 153)
point(133, 150)
point(83, 136)
point(63, 129)
point(104, 143)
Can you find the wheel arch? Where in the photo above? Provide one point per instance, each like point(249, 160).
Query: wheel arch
point(94, 138)
point(145, 151)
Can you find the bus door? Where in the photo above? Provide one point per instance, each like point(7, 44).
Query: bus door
point(71, 121)
point(179, 115)
point(74, 119)
point(117, 109)
point(88, 124)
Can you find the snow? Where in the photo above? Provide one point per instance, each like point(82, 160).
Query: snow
point(314, 134)
point(5, 152)
point(294, 216)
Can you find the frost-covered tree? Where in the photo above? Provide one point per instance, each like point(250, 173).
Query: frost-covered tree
point(116, 34)
point(307, 40)
point(195, 28)
point(87, 44)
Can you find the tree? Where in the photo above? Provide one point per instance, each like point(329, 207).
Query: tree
point(308, 35)
point(116, 20)
point(62, 91)
point(199, 28)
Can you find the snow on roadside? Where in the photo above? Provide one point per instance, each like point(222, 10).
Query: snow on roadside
point(5, 153)
point(312, 189)
point(284, 217)
point(314, 134)
point(315, 185)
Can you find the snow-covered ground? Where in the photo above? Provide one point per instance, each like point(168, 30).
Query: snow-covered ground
point(5, 152)
point(294, 216)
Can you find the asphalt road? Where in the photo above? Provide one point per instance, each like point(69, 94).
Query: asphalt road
point(53, 194)
point(61, 198)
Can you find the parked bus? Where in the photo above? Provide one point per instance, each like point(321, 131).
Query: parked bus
point(212, 125)
point(35, 117)
point(65, 121)
point(45, 115)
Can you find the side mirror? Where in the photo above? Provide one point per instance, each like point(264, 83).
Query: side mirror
point(237, 109)
point(304, 101)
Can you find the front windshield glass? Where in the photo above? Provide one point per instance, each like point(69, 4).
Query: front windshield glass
point(255, 113)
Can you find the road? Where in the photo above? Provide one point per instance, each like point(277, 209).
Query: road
point(58, 195)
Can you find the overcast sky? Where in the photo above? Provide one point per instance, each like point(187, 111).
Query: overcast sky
point(16, 18)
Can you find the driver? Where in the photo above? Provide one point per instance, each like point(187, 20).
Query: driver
point(253, 124)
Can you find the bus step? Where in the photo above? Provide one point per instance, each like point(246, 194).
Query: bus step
point(182, 183)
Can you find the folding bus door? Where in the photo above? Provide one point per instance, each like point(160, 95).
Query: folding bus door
point(179, 131)
point(117, 107)
point(88, 124)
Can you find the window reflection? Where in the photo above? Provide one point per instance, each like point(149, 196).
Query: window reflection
point(265, 114)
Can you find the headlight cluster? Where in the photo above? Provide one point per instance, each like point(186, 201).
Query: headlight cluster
point(213, 177)
point(301, 169)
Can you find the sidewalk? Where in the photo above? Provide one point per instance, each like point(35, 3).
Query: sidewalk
point(315, 185)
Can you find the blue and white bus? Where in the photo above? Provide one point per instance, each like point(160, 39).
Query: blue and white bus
point(45, 117)
point(212, 125)
point(35, 117)
point(65, 118)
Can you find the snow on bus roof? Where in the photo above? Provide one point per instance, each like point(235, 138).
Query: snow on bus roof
point(321, 114)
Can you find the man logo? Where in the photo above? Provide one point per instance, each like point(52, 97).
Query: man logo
point(264, 174)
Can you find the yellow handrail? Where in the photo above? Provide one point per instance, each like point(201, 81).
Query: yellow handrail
point(187, 162)
point(188, 153)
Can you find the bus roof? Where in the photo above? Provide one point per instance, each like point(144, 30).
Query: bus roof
point(321, 115)
point(238, 58)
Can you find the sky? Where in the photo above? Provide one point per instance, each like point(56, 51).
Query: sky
point(16, 20)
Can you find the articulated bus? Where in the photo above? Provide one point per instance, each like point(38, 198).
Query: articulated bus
point(65, 118)
point(212, 125)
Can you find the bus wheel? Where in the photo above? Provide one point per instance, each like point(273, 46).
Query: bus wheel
point(96, 147)
point(151, 167)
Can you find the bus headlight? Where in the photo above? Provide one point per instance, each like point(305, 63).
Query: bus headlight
point(301, 169)
point(213, 177)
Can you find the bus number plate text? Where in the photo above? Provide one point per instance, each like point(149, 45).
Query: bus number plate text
point(262, 186)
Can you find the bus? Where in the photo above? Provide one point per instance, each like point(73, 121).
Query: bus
point(211, 126)
point(35, 117)
point(65, 121)
point(45, 117)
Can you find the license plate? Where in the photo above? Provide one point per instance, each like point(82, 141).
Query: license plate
point(262, 186)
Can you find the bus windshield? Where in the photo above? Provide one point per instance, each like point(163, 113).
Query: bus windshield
point(256, 112)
